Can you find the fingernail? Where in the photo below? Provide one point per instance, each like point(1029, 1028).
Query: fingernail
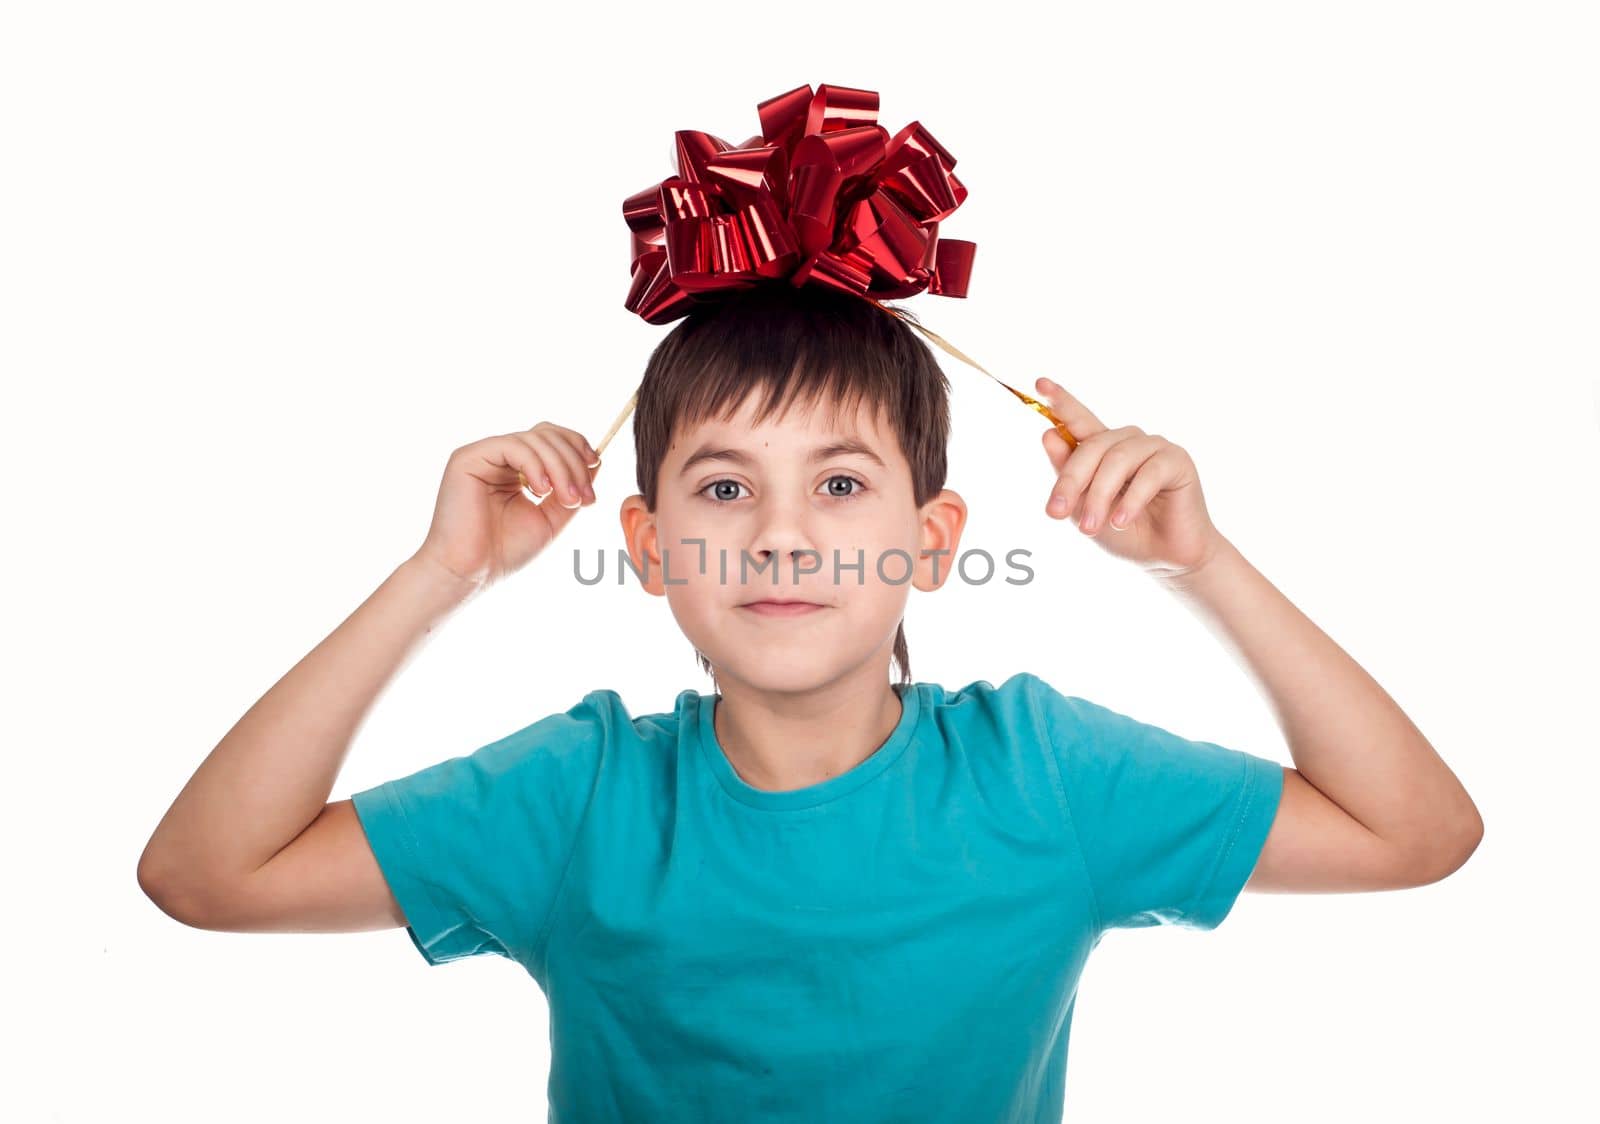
point(572, 493)
point(1120, 518)
point(1087, 524)
point(1058, 505)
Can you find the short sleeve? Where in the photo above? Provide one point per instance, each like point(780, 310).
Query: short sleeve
point(474, 848)
point(1170, 829)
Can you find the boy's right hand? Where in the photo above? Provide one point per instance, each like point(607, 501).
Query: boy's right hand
point(484, 527)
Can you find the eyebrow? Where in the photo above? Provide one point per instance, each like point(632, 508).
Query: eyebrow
point(842, 447)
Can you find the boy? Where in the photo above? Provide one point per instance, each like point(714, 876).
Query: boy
point(814, 893)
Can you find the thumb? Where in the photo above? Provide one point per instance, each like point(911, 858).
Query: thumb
point(1055, 447)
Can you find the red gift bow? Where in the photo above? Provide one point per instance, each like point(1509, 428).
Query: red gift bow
point(824, 195)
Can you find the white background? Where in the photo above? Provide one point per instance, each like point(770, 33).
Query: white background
point(265, 266)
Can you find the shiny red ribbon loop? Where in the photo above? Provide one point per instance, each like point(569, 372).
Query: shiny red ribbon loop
point(823, 196)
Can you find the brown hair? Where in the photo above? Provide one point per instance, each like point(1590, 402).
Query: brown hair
point(806, 345)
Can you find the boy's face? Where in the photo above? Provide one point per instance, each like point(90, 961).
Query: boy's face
point(800, 519)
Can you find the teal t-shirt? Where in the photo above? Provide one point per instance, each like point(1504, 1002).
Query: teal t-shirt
point(901, 942)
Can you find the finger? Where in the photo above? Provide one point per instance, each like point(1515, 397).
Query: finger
point(591, 458)
point(1082, 467)
point(1117, 467)
point(1078, 418)
point(572, 488)
point(509, 457)
point(522, 457)
point(563, 465)
point(587, 456)
point(1147, 482)
point(588, 461)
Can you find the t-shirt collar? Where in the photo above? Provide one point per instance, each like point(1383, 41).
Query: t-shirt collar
point(700, 713)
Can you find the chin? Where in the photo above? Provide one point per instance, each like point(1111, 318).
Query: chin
point(782, 670)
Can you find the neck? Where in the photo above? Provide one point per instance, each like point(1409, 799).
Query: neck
point(780, 741)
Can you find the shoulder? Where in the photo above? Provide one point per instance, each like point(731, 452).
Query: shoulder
point(1021, 699)
point(1028, 709)
point(983, 692)
point(605, 710)
point(596, 728)
point(1019, 711)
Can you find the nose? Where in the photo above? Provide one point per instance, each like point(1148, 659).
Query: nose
point(783, 532)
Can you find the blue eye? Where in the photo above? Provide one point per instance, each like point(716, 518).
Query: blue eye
point(718, 483)
point(855, 493)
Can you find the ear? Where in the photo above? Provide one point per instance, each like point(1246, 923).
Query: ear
point(943, 519)
point(639, 533)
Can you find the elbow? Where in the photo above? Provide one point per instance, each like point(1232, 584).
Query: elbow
point(150, 874)
point(1450, 851)
point(1471, 836)
point(157, 881)
point(1470, 840)
point(154, 885)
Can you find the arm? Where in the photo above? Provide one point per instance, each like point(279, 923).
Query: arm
point(251, 843)
point(1369, 804)
point(268, 780)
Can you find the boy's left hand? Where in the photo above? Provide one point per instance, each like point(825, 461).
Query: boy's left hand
point(1160, 521)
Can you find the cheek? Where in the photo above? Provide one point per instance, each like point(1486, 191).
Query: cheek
point(696, 599)
point(678, 531)
point(881, 579)
point(871, 541)
point(690, 525)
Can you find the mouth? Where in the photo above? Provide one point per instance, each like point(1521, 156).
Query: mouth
point(778, 607)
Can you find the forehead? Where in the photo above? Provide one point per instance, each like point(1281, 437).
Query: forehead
point(798, 425)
